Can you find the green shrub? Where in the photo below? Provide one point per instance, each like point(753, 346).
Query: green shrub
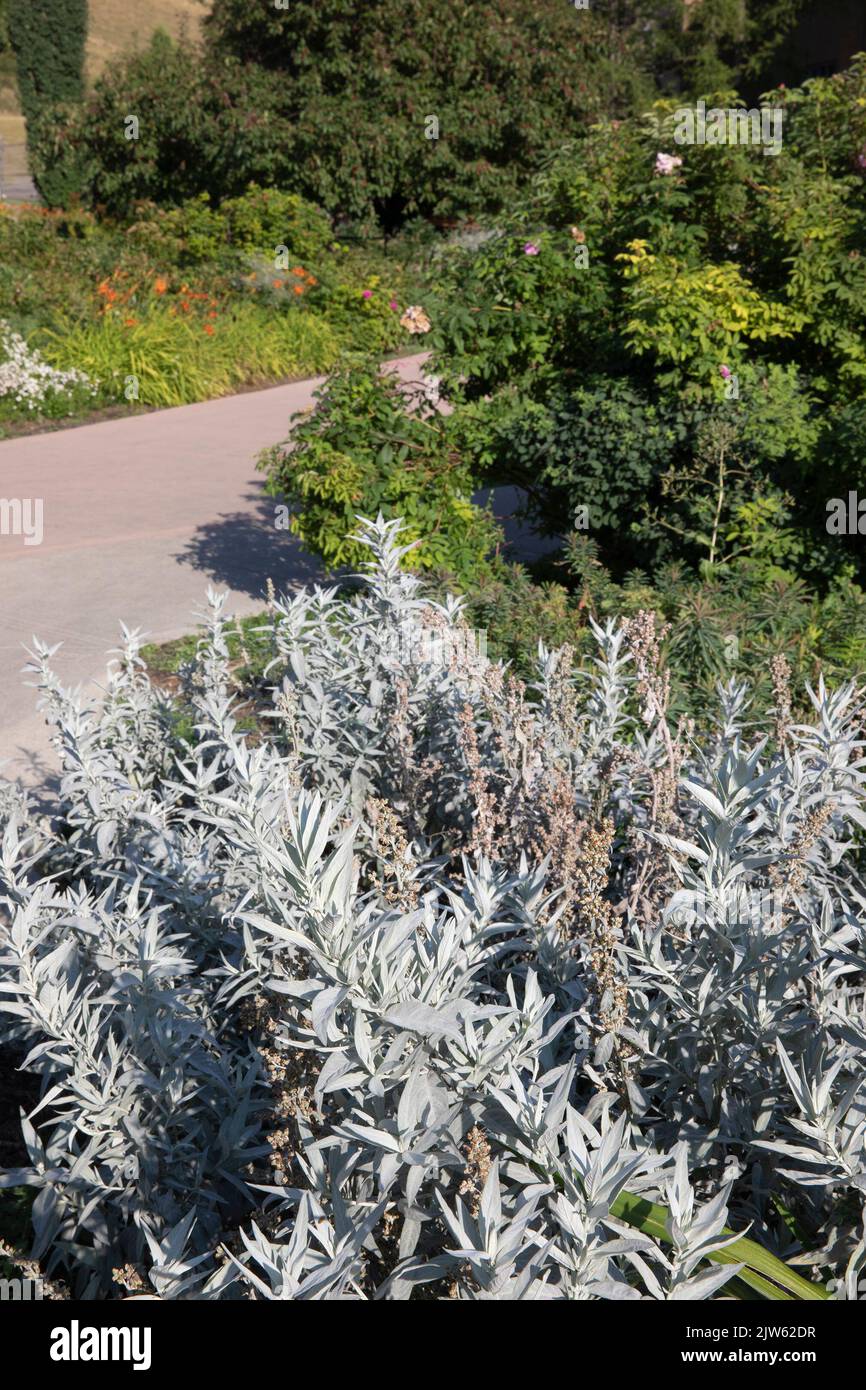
point(507, 80)
point(332, 100)
point(678, 353)
point(204, 125)
point(653, 475)
point(259, 222)
point(264, 218)
point(681, 352)
point(364, 451)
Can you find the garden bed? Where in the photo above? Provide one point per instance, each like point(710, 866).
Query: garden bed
point(179, 307)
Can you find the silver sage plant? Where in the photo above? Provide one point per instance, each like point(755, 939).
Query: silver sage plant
point(432, 978)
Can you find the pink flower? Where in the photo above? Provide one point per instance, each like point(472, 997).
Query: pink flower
point(368, 294)
point(667, 163)
point(726, 372)
point(861, 158)
point(392, 304)
point(530, 249)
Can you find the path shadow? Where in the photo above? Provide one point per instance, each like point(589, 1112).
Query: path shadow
point(522, 542)
point(244, 550)
point(36, 778)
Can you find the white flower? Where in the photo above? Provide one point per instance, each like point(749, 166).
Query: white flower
point(27, 377)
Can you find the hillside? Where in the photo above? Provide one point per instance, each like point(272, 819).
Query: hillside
point(117, 25)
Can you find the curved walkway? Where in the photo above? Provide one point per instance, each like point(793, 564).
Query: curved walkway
point(139, 515)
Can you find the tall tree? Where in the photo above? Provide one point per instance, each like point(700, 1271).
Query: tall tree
point(48, 39)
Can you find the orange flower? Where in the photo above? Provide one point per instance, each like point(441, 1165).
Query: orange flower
point(278, 284)
point(185, 305)
point(160, 285)
point(208, 328)
point(130, 323)
point(299, 289)
point(297, 270)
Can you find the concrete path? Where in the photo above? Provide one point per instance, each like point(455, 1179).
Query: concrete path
point(16, 185)
point(139, 515)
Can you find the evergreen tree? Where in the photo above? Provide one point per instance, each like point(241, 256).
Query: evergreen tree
point(48, 39)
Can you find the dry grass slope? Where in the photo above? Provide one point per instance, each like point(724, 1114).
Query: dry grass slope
point(116, 25)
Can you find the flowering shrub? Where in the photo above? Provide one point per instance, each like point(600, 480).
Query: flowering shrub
point(439, 980)
point(665, 352)
point(28, 383)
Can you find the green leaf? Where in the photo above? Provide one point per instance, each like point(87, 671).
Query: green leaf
point(763, 1273)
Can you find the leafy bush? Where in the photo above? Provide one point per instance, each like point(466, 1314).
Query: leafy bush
point(369, 447)
point(269, 217)
point(507, 81)
point(673, 343)
point(341, 94)
point(258, 221)
point(436, 984)
point(203, 126)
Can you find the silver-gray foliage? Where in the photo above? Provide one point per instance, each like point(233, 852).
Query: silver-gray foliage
point(399, 993)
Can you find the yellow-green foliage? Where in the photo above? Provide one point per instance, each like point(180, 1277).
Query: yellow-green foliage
point(689, 314)
point(178, 361)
